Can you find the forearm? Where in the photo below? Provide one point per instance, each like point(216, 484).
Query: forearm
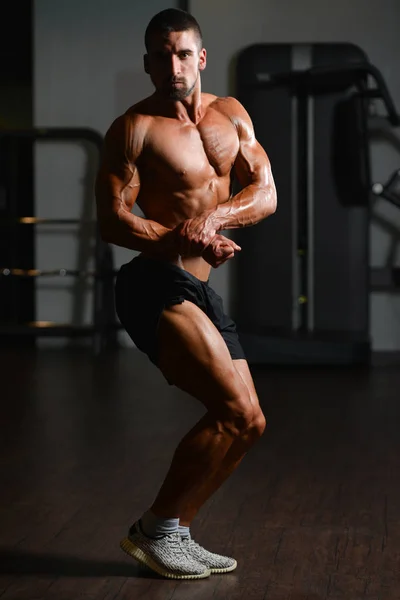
point(250, 206)
point(130, 231)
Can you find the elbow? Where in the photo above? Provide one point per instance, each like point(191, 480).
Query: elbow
point(108, 226)
point(105, 237)
point(105, 232)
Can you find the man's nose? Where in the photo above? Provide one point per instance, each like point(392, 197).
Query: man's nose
point(175, 65)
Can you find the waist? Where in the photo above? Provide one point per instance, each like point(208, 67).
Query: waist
point(195, 265)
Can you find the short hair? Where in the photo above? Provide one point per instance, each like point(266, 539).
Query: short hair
point(172, 19)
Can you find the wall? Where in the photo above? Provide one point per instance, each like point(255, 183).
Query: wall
point(231, 25)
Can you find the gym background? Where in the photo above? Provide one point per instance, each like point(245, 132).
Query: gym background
point(80, 74)
point(68, 69)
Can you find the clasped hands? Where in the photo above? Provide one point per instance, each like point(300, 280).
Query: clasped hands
point(199, 237)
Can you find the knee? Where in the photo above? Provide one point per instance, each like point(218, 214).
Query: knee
point(240, 421)
point(258, 424)
point(247, 423)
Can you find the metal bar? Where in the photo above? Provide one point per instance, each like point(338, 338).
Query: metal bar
point(13, 204)
point(300, 60)
point(368, 69)
point(49, 328)
point(56, 133)
point(12, 272)
point(290, 78)
point(310, 215)
point(295, 209)
point(302, 221)
point(44, 221)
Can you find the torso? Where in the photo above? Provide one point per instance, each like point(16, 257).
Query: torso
point(185, 168)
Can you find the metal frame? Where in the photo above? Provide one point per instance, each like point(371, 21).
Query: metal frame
point(300, 80)
point(104, 326)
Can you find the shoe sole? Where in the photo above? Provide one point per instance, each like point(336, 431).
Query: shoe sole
point(226, 570)
point(144, 559)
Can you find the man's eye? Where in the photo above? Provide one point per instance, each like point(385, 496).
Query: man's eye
point(184, 55)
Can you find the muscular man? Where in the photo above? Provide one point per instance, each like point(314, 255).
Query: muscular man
point(173, 153)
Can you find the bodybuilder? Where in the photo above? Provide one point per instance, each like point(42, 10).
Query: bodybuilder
point(174, 154)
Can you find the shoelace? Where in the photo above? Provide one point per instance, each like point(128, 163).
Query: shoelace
point(176, 544)
point(192, 544)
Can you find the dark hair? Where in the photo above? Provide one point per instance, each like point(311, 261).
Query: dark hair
point(172, 19)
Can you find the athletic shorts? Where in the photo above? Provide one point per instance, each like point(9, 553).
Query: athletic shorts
point(145, 286)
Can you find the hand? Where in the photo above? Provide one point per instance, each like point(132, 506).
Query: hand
point(194, 235)
point(220, 250)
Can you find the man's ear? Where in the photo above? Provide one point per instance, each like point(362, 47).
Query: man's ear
point(146, 63)
point(203, 59)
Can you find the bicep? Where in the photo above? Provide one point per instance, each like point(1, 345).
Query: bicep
point(252, 164)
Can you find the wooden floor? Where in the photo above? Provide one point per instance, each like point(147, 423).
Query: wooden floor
point(312, 513)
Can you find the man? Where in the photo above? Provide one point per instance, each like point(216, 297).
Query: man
point(173, 153)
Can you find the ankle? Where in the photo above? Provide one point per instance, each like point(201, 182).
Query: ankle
point(154, 526)
point(184, 531)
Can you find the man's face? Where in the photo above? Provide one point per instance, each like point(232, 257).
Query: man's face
point(173, 63)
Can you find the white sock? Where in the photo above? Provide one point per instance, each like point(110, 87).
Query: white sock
point(155, 527)
point(184, 531)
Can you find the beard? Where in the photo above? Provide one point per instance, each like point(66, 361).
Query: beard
point(181, 92)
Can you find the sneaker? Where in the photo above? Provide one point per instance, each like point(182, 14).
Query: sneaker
point(215, 562)
point(166, 556)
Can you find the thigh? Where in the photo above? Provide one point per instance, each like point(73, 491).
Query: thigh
point(193, 356)
point(242, 368)
point(225, 325)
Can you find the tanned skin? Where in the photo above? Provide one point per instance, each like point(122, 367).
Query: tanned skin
point(173, 154)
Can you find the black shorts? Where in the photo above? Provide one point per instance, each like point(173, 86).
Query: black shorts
point(145, 286)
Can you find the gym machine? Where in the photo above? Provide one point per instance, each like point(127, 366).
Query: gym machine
point(16, 267)
point(302, 280)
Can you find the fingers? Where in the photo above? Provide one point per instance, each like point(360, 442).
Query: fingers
point(221, 239)
point(217, 255)
point(224, 247)
point(235, 246)
point(194, 239)
point(194, 235)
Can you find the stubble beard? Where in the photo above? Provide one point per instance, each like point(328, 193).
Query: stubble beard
point(182, 92)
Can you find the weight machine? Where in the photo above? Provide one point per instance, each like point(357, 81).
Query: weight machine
point(302, 280)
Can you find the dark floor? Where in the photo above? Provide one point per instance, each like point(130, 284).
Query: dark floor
point(312, 513)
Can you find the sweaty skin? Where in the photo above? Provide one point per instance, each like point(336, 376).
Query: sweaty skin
point(175, 159)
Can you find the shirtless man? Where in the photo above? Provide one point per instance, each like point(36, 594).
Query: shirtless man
point(173, 154)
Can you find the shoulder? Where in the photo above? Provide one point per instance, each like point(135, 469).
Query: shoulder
point(228, 105)
point(131, 122)
point(235, 112)
point(128, 130)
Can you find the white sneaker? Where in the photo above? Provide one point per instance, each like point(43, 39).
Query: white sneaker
point(215, 562)
point(167, 555)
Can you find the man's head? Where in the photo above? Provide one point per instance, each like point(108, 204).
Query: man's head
point(175, 53)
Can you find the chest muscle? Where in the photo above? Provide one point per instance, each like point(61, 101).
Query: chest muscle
point(192, 153)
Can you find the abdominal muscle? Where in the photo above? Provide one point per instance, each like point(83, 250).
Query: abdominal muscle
point(170, 212)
